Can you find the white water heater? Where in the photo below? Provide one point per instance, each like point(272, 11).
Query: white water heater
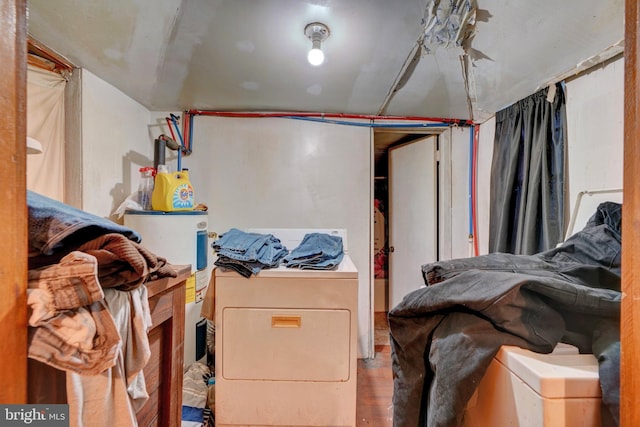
point(182, 238)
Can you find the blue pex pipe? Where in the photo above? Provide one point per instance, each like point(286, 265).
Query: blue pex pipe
point(190, 134)
point(369, 125)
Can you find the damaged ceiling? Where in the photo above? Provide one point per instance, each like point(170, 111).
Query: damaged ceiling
point(461, 59)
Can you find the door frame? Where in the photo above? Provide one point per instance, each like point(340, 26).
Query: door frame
point(630, 315)
point(444, 175)
point(433, 142)
point(13, 181)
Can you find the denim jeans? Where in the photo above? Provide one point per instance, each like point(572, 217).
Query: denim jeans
point(319, 251)
point(242, 246)
point(248, 253)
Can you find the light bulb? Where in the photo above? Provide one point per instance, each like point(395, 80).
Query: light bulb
point(315, 56)
point(316, 32)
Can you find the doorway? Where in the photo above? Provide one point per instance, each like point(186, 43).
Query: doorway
point(413, 214)
point(386, 140)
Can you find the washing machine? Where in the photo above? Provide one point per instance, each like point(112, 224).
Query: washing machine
point(527, 389)
point(286, 344)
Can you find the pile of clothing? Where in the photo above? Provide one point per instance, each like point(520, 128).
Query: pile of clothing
point(197, 396)
point(317, 251)
point(248, 253)
point(88, 309)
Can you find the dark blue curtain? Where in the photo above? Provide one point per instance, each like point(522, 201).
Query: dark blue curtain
point(527, 175)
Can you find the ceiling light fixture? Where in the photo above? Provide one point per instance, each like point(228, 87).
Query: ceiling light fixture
point(317, 33)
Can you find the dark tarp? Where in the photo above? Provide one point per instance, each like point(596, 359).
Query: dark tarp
point(444, 336)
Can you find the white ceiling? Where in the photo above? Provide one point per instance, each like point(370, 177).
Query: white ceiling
point(250, 55)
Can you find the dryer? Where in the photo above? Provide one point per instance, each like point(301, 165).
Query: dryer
point(286, 345)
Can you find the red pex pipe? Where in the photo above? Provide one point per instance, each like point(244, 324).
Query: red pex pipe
point(326, 115)
point(185, 132)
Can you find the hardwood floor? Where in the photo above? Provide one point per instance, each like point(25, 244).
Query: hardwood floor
point(375, 381)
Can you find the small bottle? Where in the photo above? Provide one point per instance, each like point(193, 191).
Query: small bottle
point(145, 190)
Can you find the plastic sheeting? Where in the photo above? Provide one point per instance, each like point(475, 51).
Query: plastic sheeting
point(45, 122)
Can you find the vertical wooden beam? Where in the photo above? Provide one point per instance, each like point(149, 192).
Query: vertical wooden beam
point(13, 181)
point(630, 324)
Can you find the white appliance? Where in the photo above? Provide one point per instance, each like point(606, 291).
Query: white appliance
point(286, 344)
point(527, 389)
point(182, 238)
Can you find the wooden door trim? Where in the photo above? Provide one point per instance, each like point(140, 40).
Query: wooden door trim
point(630, 316)
point(13, 181)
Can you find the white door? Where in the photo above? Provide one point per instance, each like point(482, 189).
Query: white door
point(412, 215)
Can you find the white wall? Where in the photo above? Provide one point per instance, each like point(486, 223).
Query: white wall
point(460, 191)
point(115, 144)
point(460, 195)
point(483, 180)
point(595, 113)
point(280, 173)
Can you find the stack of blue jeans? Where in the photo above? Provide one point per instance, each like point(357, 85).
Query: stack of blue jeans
point(248, 253)
point(317, 251)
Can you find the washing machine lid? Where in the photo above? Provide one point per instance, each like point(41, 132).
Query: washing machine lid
point(561, 374)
